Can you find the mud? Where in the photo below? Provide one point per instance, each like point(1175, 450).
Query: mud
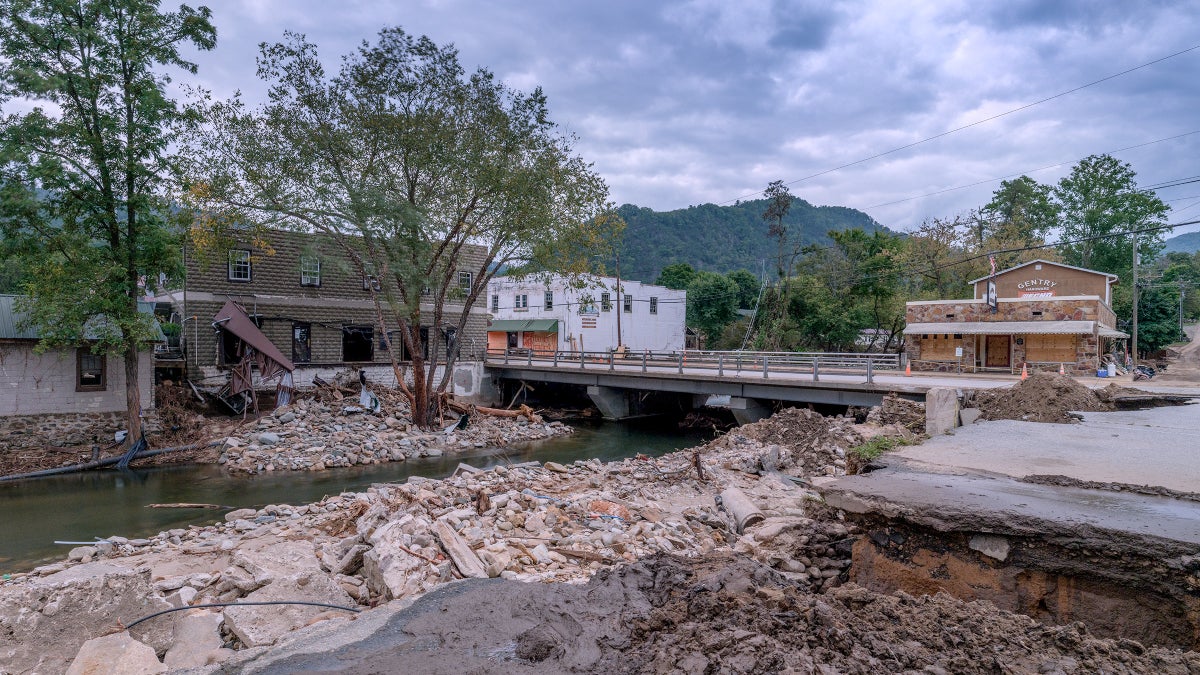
point(721, 613)
point(1044, 397)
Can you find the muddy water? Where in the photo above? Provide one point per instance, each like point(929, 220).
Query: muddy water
point(81, 507)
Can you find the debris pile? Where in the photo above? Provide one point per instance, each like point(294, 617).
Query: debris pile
point(899, 411)
point(1044, 397)
point(794, 440)
point(318, 433)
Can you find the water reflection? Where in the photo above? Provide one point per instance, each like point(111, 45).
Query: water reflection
point(81, 507)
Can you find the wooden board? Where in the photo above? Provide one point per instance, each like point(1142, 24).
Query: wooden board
point(464, 558)
point(1050, 348)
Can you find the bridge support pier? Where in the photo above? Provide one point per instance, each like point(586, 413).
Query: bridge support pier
point(747, 410)
point(612, 402)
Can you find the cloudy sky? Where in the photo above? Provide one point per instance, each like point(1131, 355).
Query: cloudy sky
point(696, 101)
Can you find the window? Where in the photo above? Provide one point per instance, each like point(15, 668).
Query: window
point(239, 265)
point(653, 305)
point(358, 343)
point(91, 370)
point(549, 300)
point(628, 304)
point(370, 281)
point(605, 302)
point(521, 301)
point(465, 282)
point(310, 270)
point(301, 342)
point(495, 302)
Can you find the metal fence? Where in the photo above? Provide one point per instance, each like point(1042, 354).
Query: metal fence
point(727, 363)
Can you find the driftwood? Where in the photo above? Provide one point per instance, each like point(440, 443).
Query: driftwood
point(464, 558)
point(466, 409)
point(589, 556)
point(185, 505)
point(110, 461)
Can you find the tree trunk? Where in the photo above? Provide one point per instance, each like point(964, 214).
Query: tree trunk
point(133, 393)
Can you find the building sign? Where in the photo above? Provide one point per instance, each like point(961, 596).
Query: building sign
point(992, 300)
point(589, 322)
point(1036, 288)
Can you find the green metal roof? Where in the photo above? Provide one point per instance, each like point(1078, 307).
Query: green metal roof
point(13, 324)
point(524, 325)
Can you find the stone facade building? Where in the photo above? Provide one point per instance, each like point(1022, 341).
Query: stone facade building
point(62, 396)
point(1045, 315)
point(310, 302)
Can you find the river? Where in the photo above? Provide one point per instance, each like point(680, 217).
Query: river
point(81, 507)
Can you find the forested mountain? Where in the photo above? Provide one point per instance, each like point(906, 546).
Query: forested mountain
point(1184, 243)
point(723, 238)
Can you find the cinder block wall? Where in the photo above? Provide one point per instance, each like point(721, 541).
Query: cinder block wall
point(36, 384)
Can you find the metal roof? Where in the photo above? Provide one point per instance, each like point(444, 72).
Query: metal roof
point(1005, 327)
point(13, 322)
point(524, 325)
point(1112, 278)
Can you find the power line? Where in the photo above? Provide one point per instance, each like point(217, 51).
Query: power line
point(975, 123)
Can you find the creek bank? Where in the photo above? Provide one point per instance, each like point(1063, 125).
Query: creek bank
point(528, 522)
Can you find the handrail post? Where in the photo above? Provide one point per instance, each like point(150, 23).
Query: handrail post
point(555, 358)
point(720, 365)
point(765, 366)
point(580, 359)
point(680, 363)
point(870, 371)
point(645, 353)
point(506, 356)
point(816, 368)
point(529, 357)
point(611, 363)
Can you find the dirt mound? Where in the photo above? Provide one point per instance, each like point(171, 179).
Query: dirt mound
point(794, 440)
point(899, 411)
point(1044, 397)
point(727, 613)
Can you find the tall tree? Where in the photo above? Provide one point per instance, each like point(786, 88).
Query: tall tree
point(83, 173)
point(779, 202)
point(676, 276)
point(407, 163)
point(748, 288)
point(1101, 203)
point(711, 303)
point(1023, 208)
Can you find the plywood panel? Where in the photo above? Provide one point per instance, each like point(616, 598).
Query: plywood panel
point(1050, 348)
point(939, 347)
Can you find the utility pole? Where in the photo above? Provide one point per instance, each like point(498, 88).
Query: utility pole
point(620, 305)
point(1181, 333)
point(1134, 350)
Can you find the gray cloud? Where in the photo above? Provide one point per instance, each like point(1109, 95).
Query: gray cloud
point(697, 101)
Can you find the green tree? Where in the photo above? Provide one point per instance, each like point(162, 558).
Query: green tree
point(406, 162)
point(676, 276)
point(779, 202)
point(1023, 208)
point(83, 173)
point(1100, 202)
point(711, 303)
point(748, 288)
point(1158, 319)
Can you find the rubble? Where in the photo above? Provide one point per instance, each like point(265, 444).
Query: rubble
point(315, 434)
point(1044, 397)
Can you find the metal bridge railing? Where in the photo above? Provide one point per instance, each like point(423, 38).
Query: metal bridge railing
point(722, 363)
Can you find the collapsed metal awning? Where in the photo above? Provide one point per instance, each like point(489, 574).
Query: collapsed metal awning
point(1005, 327)
point(524, 326)
point(1112, 333)
point(261, 351)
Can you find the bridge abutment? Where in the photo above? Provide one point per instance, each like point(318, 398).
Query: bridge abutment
point(612, 402)
point(748, 410)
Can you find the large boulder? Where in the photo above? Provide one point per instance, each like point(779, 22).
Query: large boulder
point(197, 641)
point(116, 653)
point(263, 625)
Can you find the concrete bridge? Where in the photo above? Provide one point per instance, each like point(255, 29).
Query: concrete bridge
point(752, 381)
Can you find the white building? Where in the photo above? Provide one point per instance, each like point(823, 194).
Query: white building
point(544, 315)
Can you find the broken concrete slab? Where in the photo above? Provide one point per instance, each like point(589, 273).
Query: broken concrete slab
point(197, 641)
point(263, 625)
point(941, 410)
point(116, 653)
point(993, 546)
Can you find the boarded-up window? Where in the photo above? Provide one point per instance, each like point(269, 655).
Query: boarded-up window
point(1050, 348)
point(939, 347)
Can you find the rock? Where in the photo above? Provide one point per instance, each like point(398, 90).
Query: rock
point(197, 641)
point(116, 653)
point(287, 417)
point(268, 438)
point(82, 553)
point(239, 514)
point(257, 626)
point(991, 545)
point(556, 467)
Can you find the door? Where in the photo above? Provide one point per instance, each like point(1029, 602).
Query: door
point(998, 351)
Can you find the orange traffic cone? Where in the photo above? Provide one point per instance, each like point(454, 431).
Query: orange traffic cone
point(1024, 373)
point(908, 370)
point(1061, 370)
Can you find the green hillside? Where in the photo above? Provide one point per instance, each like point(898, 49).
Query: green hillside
point(1184, 243)
point(722, 238)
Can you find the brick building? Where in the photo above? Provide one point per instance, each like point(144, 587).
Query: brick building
point(1045, 314)
point(310, 302)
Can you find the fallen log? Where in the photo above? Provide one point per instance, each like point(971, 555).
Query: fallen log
point(524, 411)
point(100, 463)
point(185, 505)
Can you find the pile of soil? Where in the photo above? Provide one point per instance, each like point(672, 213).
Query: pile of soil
point(795, 440)
point(1044, 397)
point(899, 411)
point(727, 613)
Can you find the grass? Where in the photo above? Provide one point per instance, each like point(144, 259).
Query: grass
point(875, 447)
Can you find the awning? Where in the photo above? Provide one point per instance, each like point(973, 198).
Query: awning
point(1005, 327)
point(270, 360)
point(1112, 333)
point(524, 326)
